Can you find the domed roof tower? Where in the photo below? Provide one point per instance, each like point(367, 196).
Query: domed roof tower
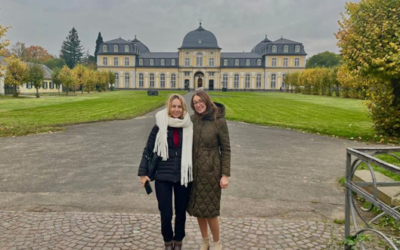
point(200, 39)
point(260, 45)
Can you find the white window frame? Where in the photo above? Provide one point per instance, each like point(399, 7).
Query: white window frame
point(274, 49)
point(140, 62)
point(51, 85)
point(247, 85)
point(211, 62)
point(225, 62)
point(173, 81)
point(199, 59)
point(162, 62)
point(126, 48)
point(105, 61)
point(44, 85)
point(258, 62)
point(127, 79)
point(285, 62)
point(162, 81)
point(151, 81)
point(115, 61)
point(187, 73)
point(105, 48)
point(247, 62)
point(225, 81)
point(173, 62)
point(297, 49)
point(187, 62)
point(236, 81)
point(116, 84)
point(285, 49)
point(273, 81)
point(126, 61)
point(151, 62)
point(116, 48)
point(297, 62)
point(273, 62)
point(236, 62)
point(141, 80)
point(258, 83)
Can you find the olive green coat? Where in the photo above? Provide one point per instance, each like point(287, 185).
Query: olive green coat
point(211, 160)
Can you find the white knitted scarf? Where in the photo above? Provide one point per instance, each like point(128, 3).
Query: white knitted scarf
point(163, 120)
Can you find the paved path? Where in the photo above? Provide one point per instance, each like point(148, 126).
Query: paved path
point(278, 175)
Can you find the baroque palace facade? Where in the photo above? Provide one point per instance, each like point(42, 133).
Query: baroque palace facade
point(199, 63)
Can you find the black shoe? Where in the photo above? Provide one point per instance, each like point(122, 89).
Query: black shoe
point(178, 245)
point(169, 245)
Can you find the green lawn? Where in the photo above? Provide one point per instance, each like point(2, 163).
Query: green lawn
point(340, 117)
point(23, 116)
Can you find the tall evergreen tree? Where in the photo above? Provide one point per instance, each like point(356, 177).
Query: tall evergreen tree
point(71, 49)
point(98, 42)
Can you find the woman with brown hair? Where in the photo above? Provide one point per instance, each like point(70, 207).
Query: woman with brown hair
point(171, 139)
point(211, 165)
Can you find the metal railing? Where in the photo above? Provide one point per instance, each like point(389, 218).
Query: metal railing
point(356, 156)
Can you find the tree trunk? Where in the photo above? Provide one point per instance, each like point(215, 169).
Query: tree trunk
point(37, 92)
point(396, 91)
point(81, 88)
point(15, 91)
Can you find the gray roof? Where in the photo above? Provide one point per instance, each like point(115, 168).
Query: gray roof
point(160, 55)
point(121, 43)
point(280, 43)
point(142, 48)
point(47, 71)
point(240, 55)
point(200, 38)
point(260, 45)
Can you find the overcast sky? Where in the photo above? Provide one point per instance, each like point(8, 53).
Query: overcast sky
point(162, 24)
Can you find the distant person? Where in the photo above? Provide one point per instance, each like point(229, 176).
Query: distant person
point(211, 165)
point(171, 139)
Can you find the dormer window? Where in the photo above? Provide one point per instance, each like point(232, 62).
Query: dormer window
point(140, 62)
point(151, 62)
point(162, 62)
point(258, 62)
point(115, 48)
point(173, 62)
point(236, 62)
point(105, 48)
point(285, 49)
point(247, 62)
point(225, 62)
point(297, 49)
point(274, 49)
point(126, 48)
point(199, 41)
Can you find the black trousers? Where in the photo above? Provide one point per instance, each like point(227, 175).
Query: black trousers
point(164, 193)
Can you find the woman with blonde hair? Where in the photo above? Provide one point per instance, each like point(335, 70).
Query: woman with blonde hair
point(211, 165)
point(171, 139)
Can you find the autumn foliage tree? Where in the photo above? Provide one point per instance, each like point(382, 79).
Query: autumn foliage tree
point(66, 78)
point(35, 76)
point(80, 76)
point(369, 38)
point(3, 44)
point(16, 74)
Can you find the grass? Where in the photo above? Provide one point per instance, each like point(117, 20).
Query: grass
point(346, 118)
point(388, 159)
point(22, 116)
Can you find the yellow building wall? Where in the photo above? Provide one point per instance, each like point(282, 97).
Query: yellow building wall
point(44, 89)
point(206, 55)
point(157, 77)
point(291, 61)
point(121, 60)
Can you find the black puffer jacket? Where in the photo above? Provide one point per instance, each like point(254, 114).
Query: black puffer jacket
point(169, 170)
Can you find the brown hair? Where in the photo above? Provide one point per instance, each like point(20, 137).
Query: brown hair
point(180, 98)
point(209, 104)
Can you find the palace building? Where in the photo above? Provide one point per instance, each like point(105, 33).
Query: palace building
point(199, 63)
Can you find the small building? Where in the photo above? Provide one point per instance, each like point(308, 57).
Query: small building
point(200, 63)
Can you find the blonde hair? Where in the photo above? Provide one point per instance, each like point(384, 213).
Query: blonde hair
point(180, 98)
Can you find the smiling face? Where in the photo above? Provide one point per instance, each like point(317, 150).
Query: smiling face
point(199, 105)
point(176, 109)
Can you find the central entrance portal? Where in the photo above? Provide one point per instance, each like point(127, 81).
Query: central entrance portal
point(199, 80)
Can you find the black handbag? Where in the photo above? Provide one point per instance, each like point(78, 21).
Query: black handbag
point(152, 162)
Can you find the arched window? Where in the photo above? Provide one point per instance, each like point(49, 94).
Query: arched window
point(162, 62)
point(258, 62)
point(173, 62)
point(115, 48)
point(258, 81)
point(274, 49)
point(273, 81)
point(126, 48)
point(162, 81)
point(116, 85)
point(151, 62)
point(247, 81)
point(236, 62)
point(199, 59)
point(115, 61)
point(140, 62)
point(151, 80)
point(247, 62)
point(283, 80)
point(104, 60)
point(141, 81)
point(273, 62)
point(126, 80)
point(236, 81)
point(225, 62)
point(285, 49)
point(105, 48)
point(173, 81)
point(285, 62)
point(297, 62)
point(297, 49)
point(225, 81)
